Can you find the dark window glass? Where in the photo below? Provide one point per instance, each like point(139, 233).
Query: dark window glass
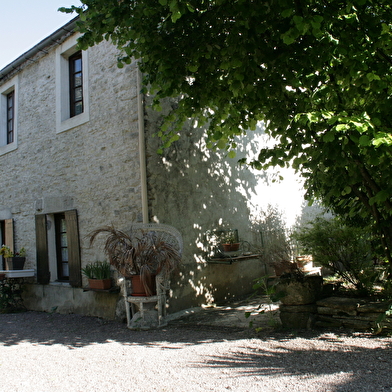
point(10, 116)
point(76, 84)
point(61, 247)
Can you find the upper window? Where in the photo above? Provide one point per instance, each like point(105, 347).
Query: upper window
point(8, 115)
point(72, 98)
point(76, 84)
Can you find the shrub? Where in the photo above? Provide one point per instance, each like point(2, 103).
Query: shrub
point(345, 250)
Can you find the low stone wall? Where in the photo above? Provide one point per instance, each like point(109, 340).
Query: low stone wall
point(337, 312)
point(353, 313)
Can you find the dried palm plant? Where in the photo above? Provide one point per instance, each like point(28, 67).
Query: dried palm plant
point(138, 252)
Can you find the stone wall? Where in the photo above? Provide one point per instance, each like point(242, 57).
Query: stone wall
point(93, 168)
point(358, 314)
point(352, 313)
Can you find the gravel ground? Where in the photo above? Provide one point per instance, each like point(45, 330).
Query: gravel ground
point(53, 352)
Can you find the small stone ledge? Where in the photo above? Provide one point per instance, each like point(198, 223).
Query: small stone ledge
point(358, 314)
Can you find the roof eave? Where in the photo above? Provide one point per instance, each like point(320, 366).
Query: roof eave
point(40, 47)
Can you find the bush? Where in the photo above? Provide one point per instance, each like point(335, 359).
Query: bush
point(345, 250)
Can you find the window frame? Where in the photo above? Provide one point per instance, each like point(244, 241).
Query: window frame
point(10, 87)
point(64, 120)
point(73, 87)
point(45, 241)
point(59, 220)
point(10, 116)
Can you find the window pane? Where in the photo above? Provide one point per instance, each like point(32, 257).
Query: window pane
point(78, 94)
point(63, 225)
point(64, 254)
point(78, 65)
point(78, 80)
point(78, 108)
point(64, 242)
point(65, 269)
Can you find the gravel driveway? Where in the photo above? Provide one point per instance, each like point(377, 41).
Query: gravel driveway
point(53, 352)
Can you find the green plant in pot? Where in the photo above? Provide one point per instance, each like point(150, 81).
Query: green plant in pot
point(139, 254)
point(98, 275)
point(14, 260)
point(230, 241)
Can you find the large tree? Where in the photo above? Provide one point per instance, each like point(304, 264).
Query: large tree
point(317, 72)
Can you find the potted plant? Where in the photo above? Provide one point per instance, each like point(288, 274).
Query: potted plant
point(98, 275)
point(139, 255)
point(15, 261)
point(230, 242)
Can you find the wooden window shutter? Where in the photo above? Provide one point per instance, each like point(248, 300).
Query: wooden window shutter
point(9, 233)
point(43, 273)
point(75, 276)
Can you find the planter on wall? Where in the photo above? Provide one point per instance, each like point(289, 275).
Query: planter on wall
point(231, 247)
point(15, 263)
point(100, 284)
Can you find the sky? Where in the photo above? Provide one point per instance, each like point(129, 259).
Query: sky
point(24, 23)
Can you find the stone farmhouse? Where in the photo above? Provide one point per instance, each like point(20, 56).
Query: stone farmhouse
point(77, 152)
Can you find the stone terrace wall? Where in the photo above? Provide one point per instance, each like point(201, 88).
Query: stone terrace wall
point(352, 313)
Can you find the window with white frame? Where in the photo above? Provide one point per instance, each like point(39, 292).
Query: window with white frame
point(72, 98)
point(8, 115)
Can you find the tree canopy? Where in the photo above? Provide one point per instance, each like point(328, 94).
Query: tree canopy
point(317, 72)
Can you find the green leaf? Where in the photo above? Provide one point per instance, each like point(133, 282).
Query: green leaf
point(232, 154)
point(329, 137)
point(193, 68)
point(217, 135)
point(221, 144)
point(287, 13)
point(342, 127)
point(175, 16)
point(364, 140)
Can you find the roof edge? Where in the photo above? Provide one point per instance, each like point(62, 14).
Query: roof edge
point(51, 39)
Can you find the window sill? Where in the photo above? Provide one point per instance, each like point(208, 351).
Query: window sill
point(8, 148)
point(64, 284)
point(73, 122)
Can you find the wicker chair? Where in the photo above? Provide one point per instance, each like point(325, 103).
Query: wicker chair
point(138, 309)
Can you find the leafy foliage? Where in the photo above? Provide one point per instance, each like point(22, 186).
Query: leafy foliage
point(276, 247)
point(97, 270)
point(317, 73)
point(346, 251)
point(11, 296)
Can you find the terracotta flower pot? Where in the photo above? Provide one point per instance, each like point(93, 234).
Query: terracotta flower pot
point(231, 247)
point(100, 284)
point(138, 288)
